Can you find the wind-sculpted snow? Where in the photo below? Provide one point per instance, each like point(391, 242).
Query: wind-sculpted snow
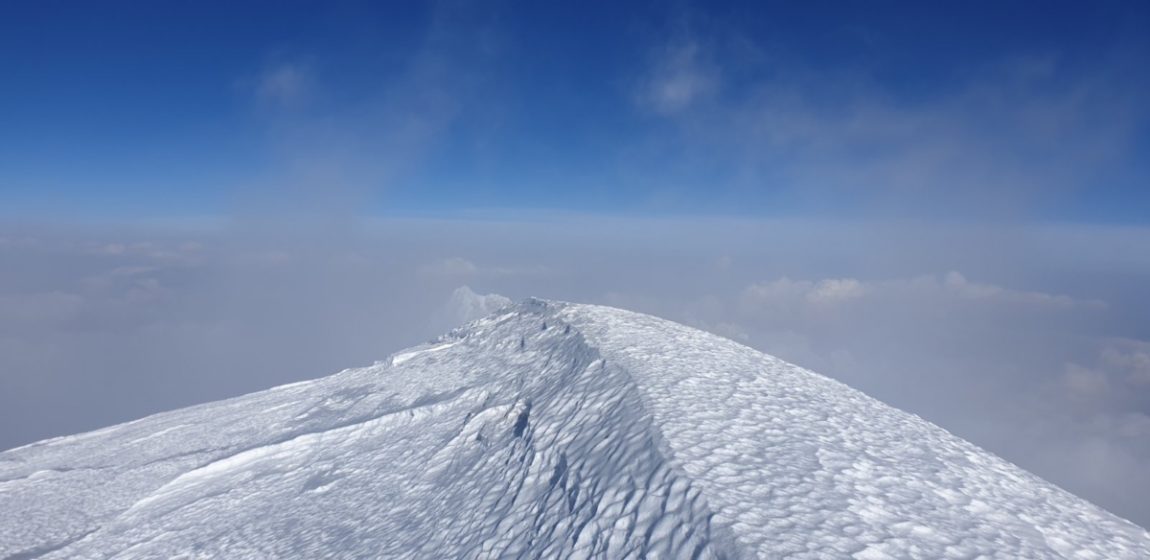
point(801, 466)
point(548, 431)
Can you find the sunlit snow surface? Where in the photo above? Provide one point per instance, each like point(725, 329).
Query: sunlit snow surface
point(550, 430)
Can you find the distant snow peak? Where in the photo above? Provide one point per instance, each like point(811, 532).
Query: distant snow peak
point(545, 430)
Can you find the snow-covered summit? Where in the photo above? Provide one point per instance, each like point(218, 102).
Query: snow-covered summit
point(545, 430)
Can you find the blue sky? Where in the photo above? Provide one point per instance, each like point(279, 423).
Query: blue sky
point(1015, 110)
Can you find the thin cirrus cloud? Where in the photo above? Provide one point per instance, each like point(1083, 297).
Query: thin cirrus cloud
point(679, 76)
point(1020, 135)
point(284, 85)
point(332, 154)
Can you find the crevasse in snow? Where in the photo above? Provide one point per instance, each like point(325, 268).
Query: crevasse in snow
point(546, 430)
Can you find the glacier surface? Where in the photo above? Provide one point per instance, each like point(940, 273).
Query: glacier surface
point(547, 430)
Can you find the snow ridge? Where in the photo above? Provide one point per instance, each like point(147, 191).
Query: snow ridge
point(546, 430)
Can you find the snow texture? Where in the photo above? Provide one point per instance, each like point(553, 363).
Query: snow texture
point(549, 430)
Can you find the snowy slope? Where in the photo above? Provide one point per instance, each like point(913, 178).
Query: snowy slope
point(548, 430)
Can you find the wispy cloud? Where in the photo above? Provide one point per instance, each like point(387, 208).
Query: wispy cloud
point(284, 85)
point(333, 155)
point(680, 76)
point(1016, 136)
point(465, 305)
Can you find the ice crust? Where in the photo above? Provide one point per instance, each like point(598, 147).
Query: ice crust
point(548, 430)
